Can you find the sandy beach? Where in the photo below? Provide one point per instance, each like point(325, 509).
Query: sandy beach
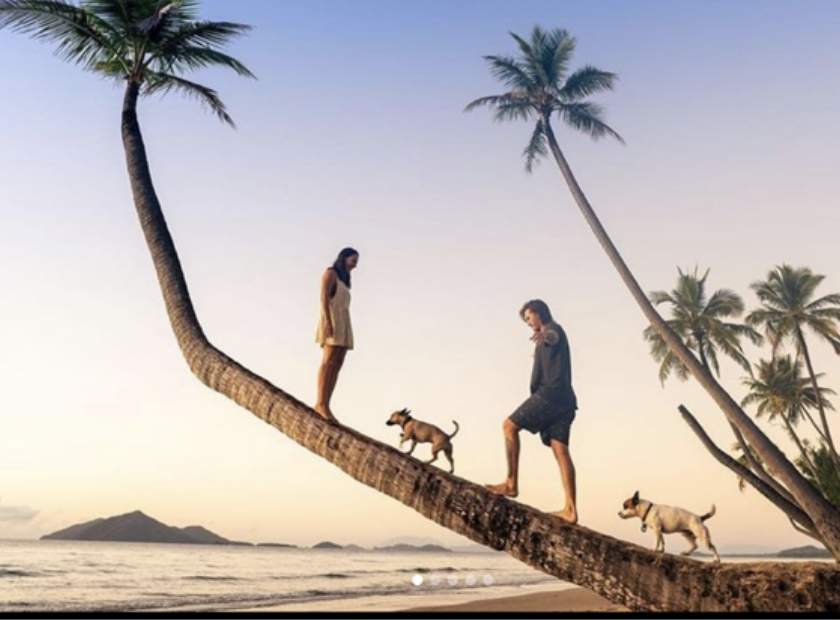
point(574, 599)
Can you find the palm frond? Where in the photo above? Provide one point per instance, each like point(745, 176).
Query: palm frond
point(509, 71)
point(661, 297)
point(82, 37)
point(194, 58)
point(536, 147)
point(511, 105)
point(724, 303)
point(164, 83)
point(530, 54)
point(561, 46)
point(585, 117)
point(586, 81)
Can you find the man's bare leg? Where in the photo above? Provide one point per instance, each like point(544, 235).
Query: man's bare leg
point(510, 487)
point(567, 473)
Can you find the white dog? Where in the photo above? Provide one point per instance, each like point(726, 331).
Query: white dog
point(669, 520)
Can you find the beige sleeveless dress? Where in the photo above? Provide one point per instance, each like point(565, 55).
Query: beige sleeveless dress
point(340, 315)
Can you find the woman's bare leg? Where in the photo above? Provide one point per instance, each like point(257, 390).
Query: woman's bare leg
point(326, 383)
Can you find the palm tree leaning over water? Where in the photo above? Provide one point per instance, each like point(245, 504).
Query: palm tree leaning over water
point(787, 296)
point(539, 87)
point(108, 35)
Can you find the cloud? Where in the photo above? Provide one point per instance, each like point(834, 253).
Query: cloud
point(17, 513)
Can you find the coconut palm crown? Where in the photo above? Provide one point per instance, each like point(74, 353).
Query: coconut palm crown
point(540, 85)
point(780, 389)
point(150, 43)
point(700, 321)
point(787, 297)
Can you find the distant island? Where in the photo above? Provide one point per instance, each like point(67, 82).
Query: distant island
point(397, 548)
point(808, 551)
point(403, 548)
point(139, 527)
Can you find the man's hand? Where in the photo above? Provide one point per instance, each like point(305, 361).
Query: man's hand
point(329, 332)
point(545, 336)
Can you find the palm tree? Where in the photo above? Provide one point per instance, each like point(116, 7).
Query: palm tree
point(540, 87)
point(787, 296)
point(699, 322)
point(123, 33)
point(779, 391)
point(826, 477)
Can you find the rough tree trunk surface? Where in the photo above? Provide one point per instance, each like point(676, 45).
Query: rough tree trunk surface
point(619, 571)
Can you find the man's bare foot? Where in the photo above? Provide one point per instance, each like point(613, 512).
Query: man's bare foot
point(325, 413)
point(569, 515)
point(508, 489)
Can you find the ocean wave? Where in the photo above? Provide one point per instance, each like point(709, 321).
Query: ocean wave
point(213, 578)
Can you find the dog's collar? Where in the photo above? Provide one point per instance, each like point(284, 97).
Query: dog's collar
point(644, 516)
point(406, 420)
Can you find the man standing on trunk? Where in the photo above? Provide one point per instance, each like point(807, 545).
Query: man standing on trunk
point(550, 409)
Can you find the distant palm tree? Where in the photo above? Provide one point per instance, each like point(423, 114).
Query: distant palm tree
point(827, 477)
point(540, 86)
point(787, 296)
point(779, 391)
point(699, 321)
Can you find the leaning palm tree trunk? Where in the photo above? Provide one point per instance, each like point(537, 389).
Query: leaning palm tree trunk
point(621, 572)
point(742, 443)
point(826, 430)
point(825, 516)
point(798, 518)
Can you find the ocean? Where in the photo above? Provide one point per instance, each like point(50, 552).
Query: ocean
point(104, 576)
point(56, 575)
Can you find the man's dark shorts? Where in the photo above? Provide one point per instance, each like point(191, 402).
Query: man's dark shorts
point(537, 415)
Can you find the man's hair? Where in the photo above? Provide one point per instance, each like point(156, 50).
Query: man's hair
point(538, 307)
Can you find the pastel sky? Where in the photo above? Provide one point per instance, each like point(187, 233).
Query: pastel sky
point(354, 135)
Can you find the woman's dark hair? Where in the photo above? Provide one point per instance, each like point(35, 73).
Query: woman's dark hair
point(538, 307)
point(340, 265)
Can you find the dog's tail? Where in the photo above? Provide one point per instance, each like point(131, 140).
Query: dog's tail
point(709, 514)
point(455, 432)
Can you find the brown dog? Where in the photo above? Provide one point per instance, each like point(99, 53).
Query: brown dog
point(416, 432)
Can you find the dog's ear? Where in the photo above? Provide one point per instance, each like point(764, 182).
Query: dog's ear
point(635, 498)
point(406, 411)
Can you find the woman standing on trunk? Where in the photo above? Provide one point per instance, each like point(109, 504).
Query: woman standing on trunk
point(335, 332)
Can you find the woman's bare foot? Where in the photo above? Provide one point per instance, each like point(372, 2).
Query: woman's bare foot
point(507, 488)
point(568, 514)
point(324, 412)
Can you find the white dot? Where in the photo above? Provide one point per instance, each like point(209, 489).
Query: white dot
point(471, 580)
point(417, 580)
point(453, 580)
point(435, 580)
point(488, 580)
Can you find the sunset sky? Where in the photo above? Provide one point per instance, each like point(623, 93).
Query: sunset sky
point(354, 135)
